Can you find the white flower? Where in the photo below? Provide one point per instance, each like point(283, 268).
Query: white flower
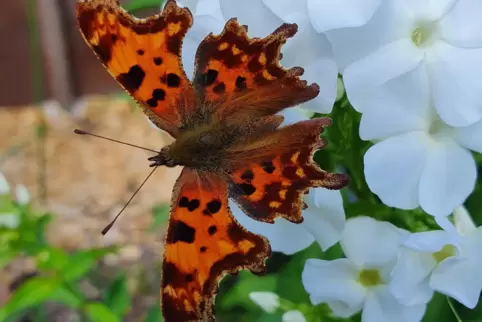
point(334, 14)
point(463, 222)
point(420, 161)
point(324, 221)
point(10, 220)
point(22, 194)
point(442, 261)
point(4, 186)
point(268, 301)
point(307, 48)
point(293, 316)
point(441, 37)
point(360, 281)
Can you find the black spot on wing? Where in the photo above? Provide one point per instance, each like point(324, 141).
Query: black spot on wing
point(212, 230)
point(209, 77)
point(219, 88)
point(213, 206)
point(247, 175)
point(157, 95)
point(157, 61)
point(246, 188)
point(133, 79)
point(241, 83)
point(191, 205)
point(173, 80)
point(268, 167)
point(180, 232)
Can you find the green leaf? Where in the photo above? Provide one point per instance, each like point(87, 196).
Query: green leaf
point(51, 259)
point(161, 216)
point(239, 294)
point(134, 5)
point(438, 310)
point(289, 284)
point(31, 293)
point(98, 312)
point(154, 314)
point(67, 297)
point(117, 296)
point(80, 263)
point(346, 147)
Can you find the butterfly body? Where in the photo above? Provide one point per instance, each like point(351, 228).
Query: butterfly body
point(208, 146)
point(228, 138)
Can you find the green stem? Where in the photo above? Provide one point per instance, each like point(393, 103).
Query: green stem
point(452, 307)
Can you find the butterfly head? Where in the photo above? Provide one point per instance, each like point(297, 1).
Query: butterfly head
point(163, 158)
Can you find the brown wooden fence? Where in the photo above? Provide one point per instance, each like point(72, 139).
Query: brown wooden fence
point(59, 66)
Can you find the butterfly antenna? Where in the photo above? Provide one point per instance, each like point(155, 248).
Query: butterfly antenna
point(109, 226)
point(82, 132)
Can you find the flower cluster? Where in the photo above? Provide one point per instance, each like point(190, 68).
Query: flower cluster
point(413, 69)
point(392, 274)
point(8, 217)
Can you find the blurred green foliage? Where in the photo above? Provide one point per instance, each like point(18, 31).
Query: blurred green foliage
point(58, 273)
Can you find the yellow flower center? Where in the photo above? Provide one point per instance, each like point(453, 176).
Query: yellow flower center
point(446, 251)
point(369, 277)
point(422, 35)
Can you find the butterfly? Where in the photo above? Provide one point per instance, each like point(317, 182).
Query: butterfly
point(228, 139)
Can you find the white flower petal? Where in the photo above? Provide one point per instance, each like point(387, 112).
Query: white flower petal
point(261, 21)
point(463, 222)
point(268, 301)
point(429, 241)
point(283, 236)
point(293, 316)
point(343, 310)
point(325, 217)
point(323, 72)
point(409, 281)
point(9, 220)
point(288, 10)
point(455, 82)
point(380, 305)
point(295, 114)
point(393, 168)
point(387, 25)
point(428, 10)
point(312, 52)
point(470, 136)
point(4, 186)
point(461, 26)
point(370, 243)
point(191, 4)
point(334, 280)
point(210, 8)
point(460, 279)
point(333, 14)
point(447, 179)
point(22, 194)
point(364, 76)
point(189, 48)
point(401, 105)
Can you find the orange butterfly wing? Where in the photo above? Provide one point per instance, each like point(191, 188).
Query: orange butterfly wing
point(143, 55)
point(204, 242)
point(242, 77)
point(281, 170)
